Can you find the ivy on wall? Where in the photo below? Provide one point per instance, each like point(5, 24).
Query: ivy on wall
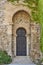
point(13, 0)
point(36, 7)
point(31, 4)
point(40, 15)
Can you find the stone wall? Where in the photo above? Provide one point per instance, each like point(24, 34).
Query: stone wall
point(1, 11)
point(35, 40)
point(4, 30)
point(7, 10)
point(2, 27)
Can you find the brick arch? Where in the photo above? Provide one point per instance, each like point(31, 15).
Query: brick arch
point(21, 11)
point(20, 8)
point(25, 15)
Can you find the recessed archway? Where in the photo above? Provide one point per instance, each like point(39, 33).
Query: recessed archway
point(21, 22)
point(21, 42)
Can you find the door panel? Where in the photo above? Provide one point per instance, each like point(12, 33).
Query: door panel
point(21, 43)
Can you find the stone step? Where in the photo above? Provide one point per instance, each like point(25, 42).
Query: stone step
point(21, 64)
point(22, 60)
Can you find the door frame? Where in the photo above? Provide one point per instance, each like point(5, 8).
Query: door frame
point(26, 26)
point(27, 44)
point(24, 36)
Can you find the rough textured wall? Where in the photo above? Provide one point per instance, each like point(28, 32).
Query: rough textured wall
point(35, 40)
point(2, 11)
point(3, 28)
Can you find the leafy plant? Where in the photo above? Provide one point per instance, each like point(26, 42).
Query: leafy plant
point(40, 16)
point(33, 5)
point(13, 0)
point(4, 58)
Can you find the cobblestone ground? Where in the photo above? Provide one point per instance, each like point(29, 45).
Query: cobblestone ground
point(22, 60)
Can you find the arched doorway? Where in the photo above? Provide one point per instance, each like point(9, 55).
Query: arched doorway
point(21, 42)
point(21, 30)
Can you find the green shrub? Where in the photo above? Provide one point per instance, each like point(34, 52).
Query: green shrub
point(4, 58)
point(42, 60)
point(40, 16)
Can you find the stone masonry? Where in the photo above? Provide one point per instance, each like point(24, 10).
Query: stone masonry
point(8, 11)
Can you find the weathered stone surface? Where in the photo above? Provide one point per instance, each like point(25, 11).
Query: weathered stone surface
point(11, 18)
point(35, 40)
point(2, 2)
